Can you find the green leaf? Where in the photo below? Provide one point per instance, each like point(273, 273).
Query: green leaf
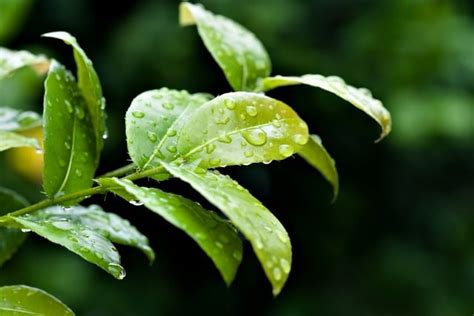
point(69, 147)
point(89, 85)
point(153, 121)
point(11, 60)
point(318, 157)
point(10, 239)
point(87, 242)
point(24, 300)
point(267, 235)
point(109, 225)
point(238, 52)
point(241, 128)
point(215, 236)
point(10, 140)
point(361, 98)
point(15, 120)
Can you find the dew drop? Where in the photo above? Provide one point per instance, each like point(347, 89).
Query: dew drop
point(210, 148)
point(214, 162)
point(117, 270)
point(138, 114)
point(282, 236)
point(222, 121)
point(152, 136)
point(285, 265)
point(171, 133)
point(248, 153)
point(276, 123)
point(219, 244)
point(230, 104)
point(136, 202)
point(67, 145)
point(256, 137)
point(258, 244)
point(63, 225)
point(285, 150)
point(25, 230)
point(237, 255)
point(168, 106)
point(62, 163)
point(69, 107)
point(277, 273)
point(226, 139)
point(300, 139)
point(251, 110)
point(78, 172)
point(80, 112)
point(366, 92)
point(172, 149)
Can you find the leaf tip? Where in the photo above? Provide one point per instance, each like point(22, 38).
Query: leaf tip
point(186, 17)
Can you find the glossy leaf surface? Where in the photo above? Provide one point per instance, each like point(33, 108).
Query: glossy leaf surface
point(17, 300)
point(214, 235)
point(63, 230)
point(70, 153)
point(318, 157)
point(153, 122)
point(89, 86)
point(361, 98)
point(238, 52)
point(10, 239)
point(241, 128)
point(267, 235)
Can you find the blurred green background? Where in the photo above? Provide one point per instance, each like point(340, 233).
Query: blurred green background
point(400, 238)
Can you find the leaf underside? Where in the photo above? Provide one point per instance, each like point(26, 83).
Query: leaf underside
point(11, 140)
point(215, 236)
point(11, 61)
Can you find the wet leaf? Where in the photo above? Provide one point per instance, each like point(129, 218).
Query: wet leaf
point(267, 235)
point(11, 140)
point(318, 157)
point(240, 128)
point(87, 242)
point(69, 147)
point(238, 52)
point(19, 300)
point(215, 236)
point(153, 121)
point(11, 60)
point(15, 120)
point(89, 86)
point(109, 225)
point(10, 239)
point(361, 98)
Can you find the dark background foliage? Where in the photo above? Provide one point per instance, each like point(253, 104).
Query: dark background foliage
point(400, 238)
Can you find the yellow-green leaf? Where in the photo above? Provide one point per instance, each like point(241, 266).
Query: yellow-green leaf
point(267, 235)
point(361, 98)
point(10, 140)
point(238, 52)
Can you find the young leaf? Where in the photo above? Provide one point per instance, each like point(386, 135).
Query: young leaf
point(361, 98)
point(25, 300)
point(241, 128)
point(267, 235)
point(238, 52)
point(82, 240)
point(15, 120)
point(318, 157)
point(153, 121)
point(109, 225)
point(10, 61)
point(70, 153)
point(10, 140)
point(10, 239)
point(89, 85)
point(214, 235)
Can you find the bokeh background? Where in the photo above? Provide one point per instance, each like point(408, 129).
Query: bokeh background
point(400, 238)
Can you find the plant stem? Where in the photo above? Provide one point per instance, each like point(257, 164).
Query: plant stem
point(120, 171)
point(87, 192)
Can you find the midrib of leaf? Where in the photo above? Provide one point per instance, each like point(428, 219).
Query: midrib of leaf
point(232, 133)
point(71, 156)
point(19, 311)
point(158, 147)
